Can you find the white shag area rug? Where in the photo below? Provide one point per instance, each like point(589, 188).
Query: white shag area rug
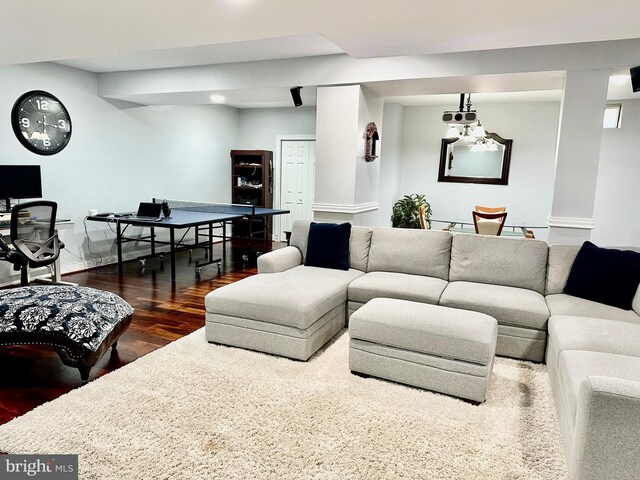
point(193, 410)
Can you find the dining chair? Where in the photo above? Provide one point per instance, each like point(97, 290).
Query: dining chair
point(488, 223)
point(423, 218)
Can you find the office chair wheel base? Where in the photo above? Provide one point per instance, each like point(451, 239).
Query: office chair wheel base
point(258, 253)
point(245, 257)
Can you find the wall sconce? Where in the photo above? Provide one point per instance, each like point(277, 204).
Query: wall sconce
point(370, 146)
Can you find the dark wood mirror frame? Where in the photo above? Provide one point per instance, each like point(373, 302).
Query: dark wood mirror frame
point(506, 160)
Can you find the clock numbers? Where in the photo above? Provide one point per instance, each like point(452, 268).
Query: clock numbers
point(25, 122)
point(62, 124)
point(43, 105)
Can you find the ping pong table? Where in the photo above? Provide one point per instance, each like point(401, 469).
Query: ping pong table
point(202, 217)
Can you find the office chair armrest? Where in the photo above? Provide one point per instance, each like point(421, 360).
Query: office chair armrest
point(3, 246)
point(41, 253)
point(60, 242)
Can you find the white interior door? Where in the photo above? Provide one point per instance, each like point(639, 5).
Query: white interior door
point(298, 169)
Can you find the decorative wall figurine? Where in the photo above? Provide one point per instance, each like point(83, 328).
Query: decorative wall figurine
point(371, 138)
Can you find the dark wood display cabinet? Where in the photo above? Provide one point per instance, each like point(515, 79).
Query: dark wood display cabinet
point(252, 184)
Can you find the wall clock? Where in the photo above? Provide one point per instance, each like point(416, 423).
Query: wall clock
point(41, 122)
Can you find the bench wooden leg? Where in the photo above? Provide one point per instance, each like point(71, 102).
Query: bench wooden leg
point(84, 373)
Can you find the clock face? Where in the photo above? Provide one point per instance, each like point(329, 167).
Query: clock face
point(41, 123)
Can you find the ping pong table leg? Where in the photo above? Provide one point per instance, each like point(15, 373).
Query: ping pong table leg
point(153, 241)
point(119, 244)
point(172, 245)
point(210, 242)
point(224, 240)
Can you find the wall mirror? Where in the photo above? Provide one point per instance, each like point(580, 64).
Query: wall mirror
point(483, 161)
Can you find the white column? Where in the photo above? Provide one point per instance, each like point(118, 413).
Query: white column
point(577, 156)
point(346, 186)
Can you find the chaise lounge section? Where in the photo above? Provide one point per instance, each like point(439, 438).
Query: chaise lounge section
point(293, 310)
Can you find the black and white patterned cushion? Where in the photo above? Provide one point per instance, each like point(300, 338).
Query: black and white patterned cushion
point(84, 315)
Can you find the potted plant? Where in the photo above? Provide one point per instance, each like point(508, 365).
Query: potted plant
point(406, 212)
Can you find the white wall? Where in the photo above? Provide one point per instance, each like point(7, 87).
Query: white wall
point(528, 196)
point(617, 189)
point(258, 127)
point(119, 153)
point(390, 160)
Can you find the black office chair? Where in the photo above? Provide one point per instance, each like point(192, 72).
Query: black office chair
point(33, 236)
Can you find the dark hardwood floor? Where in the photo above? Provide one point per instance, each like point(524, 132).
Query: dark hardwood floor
point(33, 375)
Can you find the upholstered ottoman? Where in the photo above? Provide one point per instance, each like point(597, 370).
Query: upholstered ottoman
point(80, 323)
point(442, 349)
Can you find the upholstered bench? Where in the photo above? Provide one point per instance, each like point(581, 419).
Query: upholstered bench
point(80, 323)
point(442, 349)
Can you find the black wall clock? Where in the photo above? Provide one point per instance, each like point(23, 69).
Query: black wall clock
point(41, 122)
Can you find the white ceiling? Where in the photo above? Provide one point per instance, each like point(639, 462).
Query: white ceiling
point(124, 35)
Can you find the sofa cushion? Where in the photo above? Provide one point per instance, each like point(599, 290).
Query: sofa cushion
point(430, 329)
point(404, 250)
point(328, 245)
point(605, 275)
point(396, 285)
point(359, 243)
point(562, 304)
point(575, 366)
point(296, 297)
point(560, 260)
point(508, 305)
point(507, 261)
point(594, 334)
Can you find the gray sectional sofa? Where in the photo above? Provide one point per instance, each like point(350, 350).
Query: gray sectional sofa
point(592, 350)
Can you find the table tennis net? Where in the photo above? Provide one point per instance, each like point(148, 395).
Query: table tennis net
point(209, 207)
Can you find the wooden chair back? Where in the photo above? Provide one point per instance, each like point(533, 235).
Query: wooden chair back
point(489, 223)
point(423, 218)
point(480, 208)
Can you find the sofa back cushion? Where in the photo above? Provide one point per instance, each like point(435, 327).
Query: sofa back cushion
point(418, 252)
point(561, 259)
point(513, 262)
point(359, 243)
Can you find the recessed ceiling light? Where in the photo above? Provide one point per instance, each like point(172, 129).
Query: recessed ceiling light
point(217, 98)
point(619, 79)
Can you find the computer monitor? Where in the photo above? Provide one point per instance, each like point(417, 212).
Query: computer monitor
point(19, 181)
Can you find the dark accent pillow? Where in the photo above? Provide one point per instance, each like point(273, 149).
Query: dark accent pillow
point(328, 245)
point(605, 275)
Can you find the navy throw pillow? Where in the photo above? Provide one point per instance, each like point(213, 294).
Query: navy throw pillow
point(328, 245)
point(605, 275)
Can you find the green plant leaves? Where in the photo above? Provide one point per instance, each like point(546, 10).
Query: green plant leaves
point(406, 211)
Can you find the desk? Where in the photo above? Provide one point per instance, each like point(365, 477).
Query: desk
point(187, 217)
point(509, 230)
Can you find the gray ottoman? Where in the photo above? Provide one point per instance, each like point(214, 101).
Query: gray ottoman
point(443, 349)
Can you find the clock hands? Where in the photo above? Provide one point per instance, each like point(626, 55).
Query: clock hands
point(45, 124)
